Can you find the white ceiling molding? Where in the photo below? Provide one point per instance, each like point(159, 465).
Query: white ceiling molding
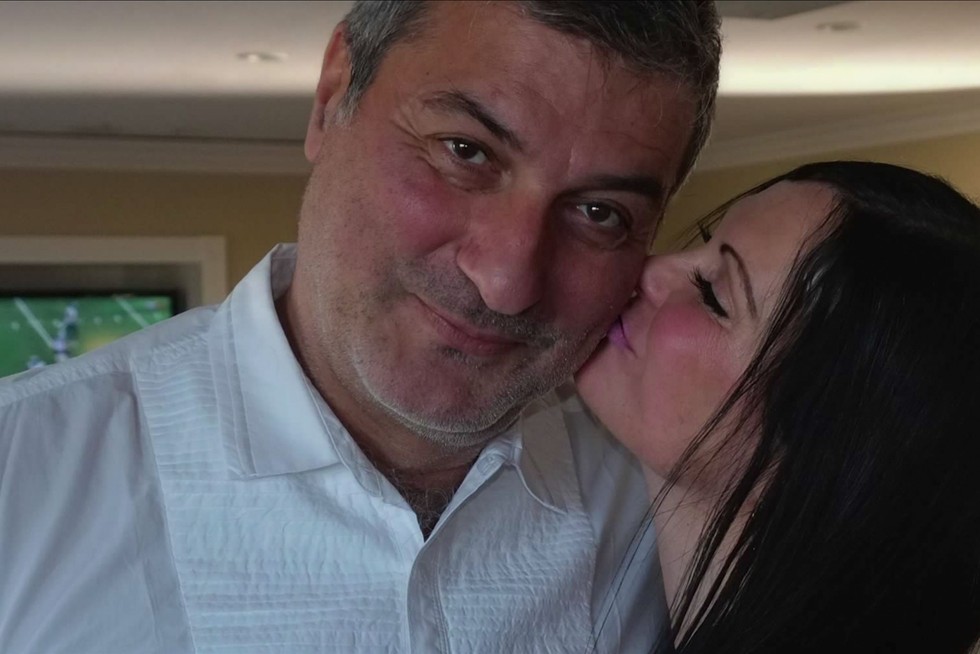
point(864, 132)
point(157, 154)
point(769, 10)
point(286, 157)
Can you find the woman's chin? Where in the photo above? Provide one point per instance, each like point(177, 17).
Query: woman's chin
point(600, 384)
point(605, 388)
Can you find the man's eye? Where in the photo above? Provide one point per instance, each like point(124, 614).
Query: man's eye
point(602, 215)
point(466, 151)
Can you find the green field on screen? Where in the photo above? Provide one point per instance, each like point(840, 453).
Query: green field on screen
point(36, 330)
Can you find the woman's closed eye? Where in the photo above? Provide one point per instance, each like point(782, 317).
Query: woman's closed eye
point(708, 296)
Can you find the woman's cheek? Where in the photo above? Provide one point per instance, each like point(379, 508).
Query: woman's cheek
point(683, 334)
point(688, 372)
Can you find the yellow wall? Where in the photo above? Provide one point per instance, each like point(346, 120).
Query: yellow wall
point(955, 158)
point(253, 212)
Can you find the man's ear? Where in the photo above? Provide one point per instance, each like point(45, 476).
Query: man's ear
point(330, 90)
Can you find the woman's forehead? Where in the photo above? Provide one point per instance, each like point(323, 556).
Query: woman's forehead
point(768, 230)
point(781, 217)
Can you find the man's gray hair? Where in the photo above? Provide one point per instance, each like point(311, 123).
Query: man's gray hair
point(678, 38)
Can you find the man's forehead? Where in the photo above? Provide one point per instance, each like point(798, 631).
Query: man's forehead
point(602, 149)
point(546, 87)
point(465, 33)
point(502, 38)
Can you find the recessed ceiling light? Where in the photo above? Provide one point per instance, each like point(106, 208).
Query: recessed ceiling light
point(839, 26)
point(260, 57)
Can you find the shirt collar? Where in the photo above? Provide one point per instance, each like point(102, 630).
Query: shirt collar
point(270, 416)
point(547, 464)
point(538, 448)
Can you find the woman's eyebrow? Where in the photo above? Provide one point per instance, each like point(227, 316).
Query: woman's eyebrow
point(725, 248)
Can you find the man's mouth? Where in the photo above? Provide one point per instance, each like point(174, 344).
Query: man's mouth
point(467, 338)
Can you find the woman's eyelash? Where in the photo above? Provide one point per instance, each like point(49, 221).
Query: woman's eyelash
point(708, 296)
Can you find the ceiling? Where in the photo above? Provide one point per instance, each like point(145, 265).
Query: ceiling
point(173, 69)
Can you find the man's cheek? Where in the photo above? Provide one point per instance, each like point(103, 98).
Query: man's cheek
point(422, 211)
point(594, 289)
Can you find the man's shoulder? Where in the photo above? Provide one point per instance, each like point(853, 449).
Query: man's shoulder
point(88, 413)
point(101, 374)
point(86, 496)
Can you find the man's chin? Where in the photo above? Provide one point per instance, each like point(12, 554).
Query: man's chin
point(455, 421)
point(451, 401)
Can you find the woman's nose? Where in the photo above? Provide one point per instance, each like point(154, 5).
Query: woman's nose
point(662, 274)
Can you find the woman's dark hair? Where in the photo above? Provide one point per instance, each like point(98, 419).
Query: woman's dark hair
point(862, 408)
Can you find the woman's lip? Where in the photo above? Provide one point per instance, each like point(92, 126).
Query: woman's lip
point(467, 338)
point(617, 335)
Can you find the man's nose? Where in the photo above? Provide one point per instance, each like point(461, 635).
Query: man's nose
point(507, 255)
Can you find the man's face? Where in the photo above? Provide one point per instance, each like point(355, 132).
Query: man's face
point(470, 232)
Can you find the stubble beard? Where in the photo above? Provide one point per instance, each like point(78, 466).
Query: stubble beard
point(361, 367)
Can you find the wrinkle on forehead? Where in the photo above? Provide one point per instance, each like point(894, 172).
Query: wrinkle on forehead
point(654, 137)
point(558, 92)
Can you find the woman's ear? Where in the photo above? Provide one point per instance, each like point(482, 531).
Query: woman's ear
point(330, 90)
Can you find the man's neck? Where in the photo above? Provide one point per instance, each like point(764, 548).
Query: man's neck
point(426, 475)
point(425, 472)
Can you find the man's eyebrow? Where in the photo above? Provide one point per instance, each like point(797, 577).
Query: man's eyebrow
point(460, 102)
point(744, 274)
point(645, 185)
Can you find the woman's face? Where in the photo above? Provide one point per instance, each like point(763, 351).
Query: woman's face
point(696, 322)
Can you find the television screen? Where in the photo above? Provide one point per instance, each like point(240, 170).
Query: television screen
point(38, 330)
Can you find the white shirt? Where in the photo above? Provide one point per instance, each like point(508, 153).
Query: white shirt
point(187, 490)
